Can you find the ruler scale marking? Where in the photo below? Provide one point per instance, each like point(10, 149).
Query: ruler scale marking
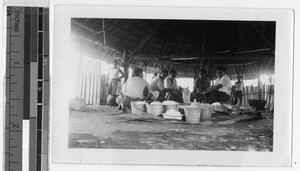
point(27, 86)
point(14, 87)
point(33, 89)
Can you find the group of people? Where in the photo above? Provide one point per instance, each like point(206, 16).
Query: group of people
point(221, 91)
point(164, 86)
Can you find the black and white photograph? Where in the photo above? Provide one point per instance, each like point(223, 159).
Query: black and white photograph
point(173, 84)
point(155, 85)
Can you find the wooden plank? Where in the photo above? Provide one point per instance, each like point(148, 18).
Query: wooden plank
point(95, 85)
point(98, 90)
point(80, 85)
point(268, 96)
point(252, 92)
point(98, 69)
point(89, 87)
point(79, 79)
point(272, 97)
point(247, 95)
point(92, 81)
point(98, 87)
point(88, 83)
point(264, 92)
point(259, 86)
point(103, 88)
point(255, 92)
point(83, 91)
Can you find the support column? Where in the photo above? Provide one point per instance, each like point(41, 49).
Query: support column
point(259, 86)
point(125, 65)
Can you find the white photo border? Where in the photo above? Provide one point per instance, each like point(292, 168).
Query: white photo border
point(62, 68)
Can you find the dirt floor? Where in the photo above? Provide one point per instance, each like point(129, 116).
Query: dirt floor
point(104, 127)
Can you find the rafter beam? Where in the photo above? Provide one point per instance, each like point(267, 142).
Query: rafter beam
point(254, 55)
point(262, 35)
point(83, 26)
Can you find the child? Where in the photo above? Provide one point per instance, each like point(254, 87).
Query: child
point(239, 89)
point(113, 79)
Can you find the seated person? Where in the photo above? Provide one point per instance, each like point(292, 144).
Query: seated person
point(157, 83)
point(171, 91)
point(200, 84)
point(136, 88)
point(221, 91)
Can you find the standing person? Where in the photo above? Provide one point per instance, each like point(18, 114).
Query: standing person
point(200, 84)
point(173, 92)
point(135, 88)
point(221, 91)
point(239, 91)
point(113, 79)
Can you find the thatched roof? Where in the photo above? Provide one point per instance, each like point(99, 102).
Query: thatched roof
point(184, 45)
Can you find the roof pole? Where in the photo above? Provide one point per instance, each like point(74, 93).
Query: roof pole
point(104, 35)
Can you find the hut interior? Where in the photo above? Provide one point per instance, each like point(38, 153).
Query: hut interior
point(245, 48)
point(242, 47)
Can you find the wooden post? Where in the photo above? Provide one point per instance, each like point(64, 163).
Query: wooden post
point(259, 85)
point(125, 65)
point(95, 82)
point(84, 80)
point(98, 83)
point(264, 92)
point(252, 91)
point(247, 95)
point(268, 96)
point(79, 77)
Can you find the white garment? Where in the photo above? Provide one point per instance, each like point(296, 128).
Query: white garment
point(170, 84)
point(113, 73)
point(225, 81)
point(157, 84)
point(186, 93)
point(134, 87)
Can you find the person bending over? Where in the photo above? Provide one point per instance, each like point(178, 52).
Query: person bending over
point(136, 88)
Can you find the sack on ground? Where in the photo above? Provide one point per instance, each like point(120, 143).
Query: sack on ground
point(78, 104)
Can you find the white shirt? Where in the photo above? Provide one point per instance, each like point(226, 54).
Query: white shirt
point(157, 84)
point(169, 84)
point(225, 81)
point(113, 73)
point(134, 87)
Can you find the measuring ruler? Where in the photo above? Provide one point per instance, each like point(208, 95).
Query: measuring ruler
point(27, 87)
point(14, 89)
